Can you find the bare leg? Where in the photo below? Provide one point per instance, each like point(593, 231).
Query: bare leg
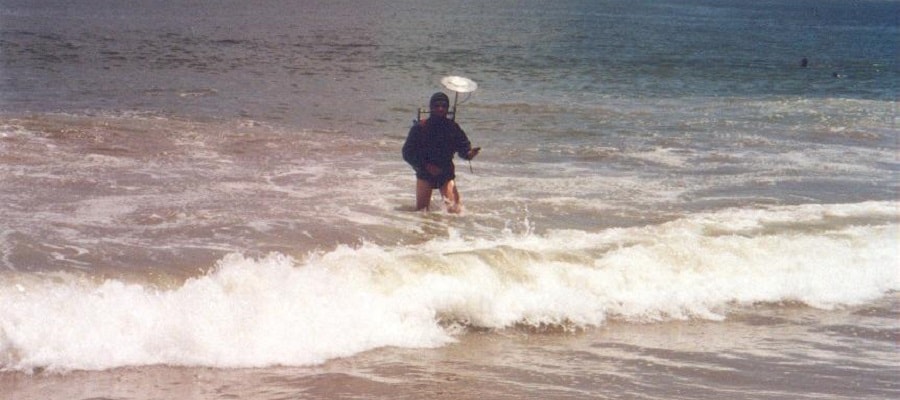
point(451, 197)
point(423, 194)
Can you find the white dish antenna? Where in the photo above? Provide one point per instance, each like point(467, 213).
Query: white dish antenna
point(459, 84)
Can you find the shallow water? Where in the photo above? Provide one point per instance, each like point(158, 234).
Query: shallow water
point(786, 351)
point(210, 202)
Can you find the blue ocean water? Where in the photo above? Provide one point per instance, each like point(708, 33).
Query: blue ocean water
point(100, 54)
point(668, 203)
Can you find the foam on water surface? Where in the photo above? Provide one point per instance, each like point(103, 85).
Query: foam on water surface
point(277, 310)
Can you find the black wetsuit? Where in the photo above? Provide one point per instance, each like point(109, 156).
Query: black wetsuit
point(433, 142)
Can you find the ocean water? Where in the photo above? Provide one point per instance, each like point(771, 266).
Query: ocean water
point(207, 200)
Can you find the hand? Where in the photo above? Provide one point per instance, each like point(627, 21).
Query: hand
point(472, 153)
point(433, 169)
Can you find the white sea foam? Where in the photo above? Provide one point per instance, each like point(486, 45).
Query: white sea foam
point(282, 311)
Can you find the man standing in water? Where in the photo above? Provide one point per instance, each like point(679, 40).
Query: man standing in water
point(429, 150)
